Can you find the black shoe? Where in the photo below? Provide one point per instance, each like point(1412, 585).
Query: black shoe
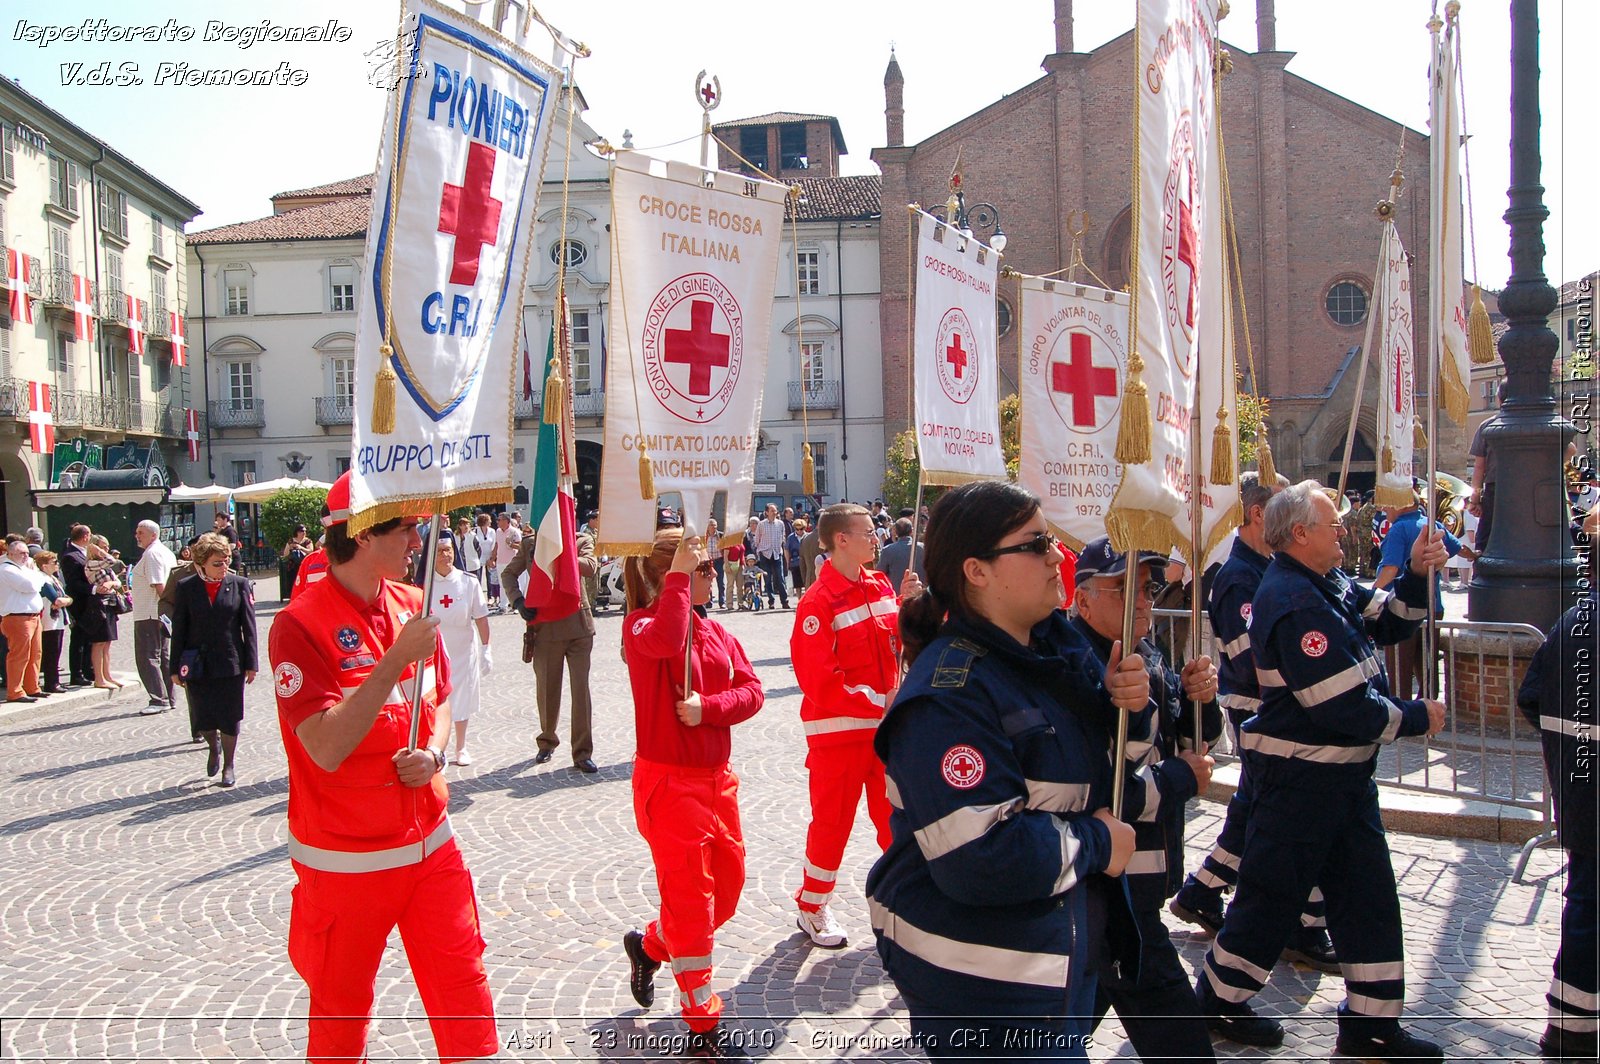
point(1394, 1044)
point(56, 690)
point(641, 969)
point(1311, 947)
point(1567, 1045)
point(24, 698)
point(715, 1044)
point(543, 757)
point(227, 777)
point(1239, 1023)
point(1190, 906)
point(213, 761)
point(586, 765)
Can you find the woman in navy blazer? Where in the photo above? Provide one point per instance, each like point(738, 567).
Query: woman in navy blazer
point(214, 649)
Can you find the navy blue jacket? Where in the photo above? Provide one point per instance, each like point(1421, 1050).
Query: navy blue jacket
point(1558, 697)
point(981, 904)
point(1325, 699)
point(1229, 608)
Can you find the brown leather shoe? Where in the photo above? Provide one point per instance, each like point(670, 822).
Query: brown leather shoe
point(528, 637)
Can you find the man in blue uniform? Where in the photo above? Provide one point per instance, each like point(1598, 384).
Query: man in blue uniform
point(1405, 658)
point(1163, 771)
point(1200, 900)
point(1311, 752)
point(1558, 698)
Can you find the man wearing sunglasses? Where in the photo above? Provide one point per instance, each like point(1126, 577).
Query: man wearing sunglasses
point(1163, 771)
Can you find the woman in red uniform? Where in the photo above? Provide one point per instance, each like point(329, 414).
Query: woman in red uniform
point(685, 797)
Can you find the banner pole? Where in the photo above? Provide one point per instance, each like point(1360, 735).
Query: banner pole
point(427, 611)
point(1119, 761)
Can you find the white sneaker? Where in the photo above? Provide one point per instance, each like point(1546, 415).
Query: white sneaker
point(821, 928)
point(153, 708)
point(463, 757)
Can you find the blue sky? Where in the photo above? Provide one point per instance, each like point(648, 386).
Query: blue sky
point(230, 148)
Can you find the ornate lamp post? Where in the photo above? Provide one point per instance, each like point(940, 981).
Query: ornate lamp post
point(981, 219)
point(1529, 562)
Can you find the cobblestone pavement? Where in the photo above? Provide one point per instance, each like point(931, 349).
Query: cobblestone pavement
point(143, 911)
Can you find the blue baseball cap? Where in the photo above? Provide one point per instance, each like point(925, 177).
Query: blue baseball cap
point(1098, 559)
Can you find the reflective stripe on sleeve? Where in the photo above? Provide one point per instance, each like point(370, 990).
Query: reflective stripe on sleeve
point(1327, 755)
point(971, 958)
point(1057, 797)
point(892, 792)
point(884, 607)
point(1269, 678)
point(954, 830)
point(1070, 845)
point(877, 698)
point(1562, 726)
point(1234, 647)
point(1397, 717)
point(1145, 862)
point(1339, 683)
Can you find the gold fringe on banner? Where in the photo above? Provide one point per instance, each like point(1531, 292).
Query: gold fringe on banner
point(808, 470)
point(1133, 432)
point(647, 478)
point(554, 393)
point(383, 393)
point(1139, 530)
point(1419, 436)
point(1453, 391)
point(1266, 472)
point(1480, 334)
point(1222, 449)
point(411, 506)
point(1386, 461)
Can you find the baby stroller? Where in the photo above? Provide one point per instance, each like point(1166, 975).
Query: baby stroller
point(753, 589)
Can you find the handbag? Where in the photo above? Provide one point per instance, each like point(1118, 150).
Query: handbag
point(190, 666)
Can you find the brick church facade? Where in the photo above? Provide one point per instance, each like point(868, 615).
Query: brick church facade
point(1307, 167)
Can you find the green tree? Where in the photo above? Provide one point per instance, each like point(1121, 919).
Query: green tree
point(1253, 411)
point(1011, 434)
point(293, 506)
point(900, 472)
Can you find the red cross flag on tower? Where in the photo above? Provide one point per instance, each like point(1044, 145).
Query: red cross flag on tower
point(695, 267)
point(180, 340)
point(439, 322)
point(41, 420)
point(135, 324)
point(956, 356)
point(191, 433)
point(1074, 354)
point(82, 308)
point(19, 274)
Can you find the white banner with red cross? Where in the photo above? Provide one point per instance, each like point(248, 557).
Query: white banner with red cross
point(1074, 356)
point(19, 275)
point(693, 271)
point(41, 419)
point(1177, 266)
point(191, 433)
point(180, 339)
point(956, 356)
point(440, 296)
point(82, 308)
point(135, 324)
point(1397, 410)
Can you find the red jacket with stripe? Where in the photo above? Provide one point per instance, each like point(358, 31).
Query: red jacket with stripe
point(846, 652)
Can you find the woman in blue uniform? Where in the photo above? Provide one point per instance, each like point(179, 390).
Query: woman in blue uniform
point(993, 902)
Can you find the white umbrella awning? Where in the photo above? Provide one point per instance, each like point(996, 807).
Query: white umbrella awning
point(266, 489)
point(208, 493)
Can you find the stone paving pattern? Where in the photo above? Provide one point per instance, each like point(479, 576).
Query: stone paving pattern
point(143, 910)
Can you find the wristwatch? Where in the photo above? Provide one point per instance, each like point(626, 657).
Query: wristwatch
point(438, 759)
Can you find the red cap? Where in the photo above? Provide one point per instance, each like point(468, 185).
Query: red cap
point(339, 503)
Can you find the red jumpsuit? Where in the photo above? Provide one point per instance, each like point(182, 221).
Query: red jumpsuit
point(685, 797)
point(370, 854)
point(845, 648)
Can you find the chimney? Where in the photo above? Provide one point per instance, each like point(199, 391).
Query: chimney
point(1063, 25)
point(894, 111)
point(1266, 27)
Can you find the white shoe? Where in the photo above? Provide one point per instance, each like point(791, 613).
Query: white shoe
point(821, 928)
point(463, 757)
point(153, 708)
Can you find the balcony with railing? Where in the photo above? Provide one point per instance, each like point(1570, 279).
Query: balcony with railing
point(238, 413)
point(112, 308)
point(813, 395)
point(58, 289)
point(529, 406)
point(35, 277)
point(156, 321)
point(335, 410)
point(589, 404)
point(14, 398)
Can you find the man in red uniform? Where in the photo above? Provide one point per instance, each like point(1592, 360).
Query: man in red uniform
point(685, 797)
point(313, 567)
point(846, 657)
point(369, 838)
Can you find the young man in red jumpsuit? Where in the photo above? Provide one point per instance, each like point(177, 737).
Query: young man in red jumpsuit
point(846, 656)
point(369, 838)
point(685, 797)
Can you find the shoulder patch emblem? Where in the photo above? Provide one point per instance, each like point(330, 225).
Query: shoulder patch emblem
point(287, 679)
point(638, 626)
point(1244, 612)
point(348, 638)
point(1314, 644)
point(811, 625)
point(962, 767)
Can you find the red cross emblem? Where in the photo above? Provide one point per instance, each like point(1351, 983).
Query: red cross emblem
point(958, 353)
point(699, 348)
point(287, 679)
point(956, 356)
point(1314, 644)
point(711, 347)
point(445, 602)
point(962, 767)
point(468, 213)
point(709, 95)
point(1082, 381)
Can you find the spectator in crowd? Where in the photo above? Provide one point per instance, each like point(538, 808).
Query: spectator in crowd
point(222, 525)
point(294, 555)
point(52, 624)
point(769, 550)
point(168, 602)
point(80, 589)
point(1404, 525)
point(750, 530)
point(100, 618)
point(150, 648)
point(506, 541)
point(895, 558)
point(714, 552)
point(736, 558)
point(35, 538)
point(791, 555)
point(464, 627)
point(21, 602)
point(214, 649)
point(474, 550)
point(810, 548)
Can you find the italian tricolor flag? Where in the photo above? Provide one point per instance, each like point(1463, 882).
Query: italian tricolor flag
point(554, 586)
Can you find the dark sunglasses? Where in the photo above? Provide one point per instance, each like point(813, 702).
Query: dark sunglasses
point(1041, 544)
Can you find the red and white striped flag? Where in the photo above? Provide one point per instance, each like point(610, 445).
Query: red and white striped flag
point(41, 422)
point(191, 432)
point(135, 325)
point(19, 272)
point(82, 308)
point(180, 340)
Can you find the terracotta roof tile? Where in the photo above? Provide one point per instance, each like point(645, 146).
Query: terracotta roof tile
point(344, 218)
point(773, 118)
point(350, 186)
point(830, 198)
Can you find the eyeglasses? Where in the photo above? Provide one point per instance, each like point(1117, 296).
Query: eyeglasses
point(1151, 588)
point(1042, 543)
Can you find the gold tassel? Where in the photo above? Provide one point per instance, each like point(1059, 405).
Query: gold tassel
point(1480, 334)
point(1419, 438)
point(1222, 450)
point(1388, 457)
point(554, 393)
point(808, 470)
point(383, 394)
point(1266, 472)
point(1133, 433)
point(647, 478)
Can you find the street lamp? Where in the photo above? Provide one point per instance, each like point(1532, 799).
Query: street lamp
point(982, 219)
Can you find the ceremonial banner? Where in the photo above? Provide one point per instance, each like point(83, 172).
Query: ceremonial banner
point(439, 306)
point(553, 586)
point(180, 340)
point(82, 308)
point(1397, 392)
point(191, 433)
point(955, 353)
point(19, 274)
point(1074, 355)
point(693, 271)
point(1447, 294)
point(135, 324)
point(41, 419)
point(1176, 252)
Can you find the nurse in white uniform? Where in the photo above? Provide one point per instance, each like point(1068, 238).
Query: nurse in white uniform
point(464, 627)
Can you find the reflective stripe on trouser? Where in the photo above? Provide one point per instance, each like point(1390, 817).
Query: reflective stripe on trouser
point(1572, 997)
point(839, 773)
point(1298, 838)
point(690, 819)
point(338, 924)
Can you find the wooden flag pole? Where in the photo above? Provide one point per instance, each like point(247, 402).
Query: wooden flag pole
point(427, 611)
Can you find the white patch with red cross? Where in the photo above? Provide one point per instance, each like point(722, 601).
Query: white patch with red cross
point(810, 625)
point(1314, 644)
point(638, 626)
point(287, 679)
point(1244, 611)
point(962, 767)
